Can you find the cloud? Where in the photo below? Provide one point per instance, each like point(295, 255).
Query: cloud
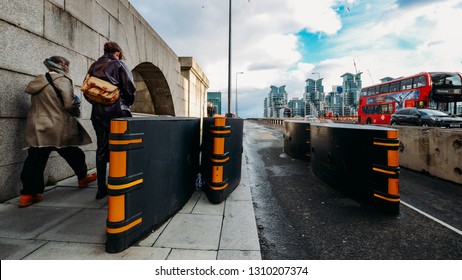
point(262, 66)
point(415, 3)
point(384, 38)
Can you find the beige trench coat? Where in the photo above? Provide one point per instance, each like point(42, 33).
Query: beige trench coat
point(49, 123)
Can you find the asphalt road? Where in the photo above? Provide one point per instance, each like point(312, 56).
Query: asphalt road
point(301, 218)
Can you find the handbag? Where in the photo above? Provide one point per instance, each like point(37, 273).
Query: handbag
point(99, 91)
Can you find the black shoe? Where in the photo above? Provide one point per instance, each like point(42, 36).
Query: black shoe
point(101, 194)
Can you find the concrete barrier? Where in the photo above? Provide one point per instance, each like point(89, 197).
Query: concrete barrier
point(436, 151)
point(361, 161)
point(153, 167)
point(221, 156)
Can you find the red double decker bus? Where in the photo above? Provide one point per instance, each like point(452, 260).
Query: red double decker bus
point(438, 90)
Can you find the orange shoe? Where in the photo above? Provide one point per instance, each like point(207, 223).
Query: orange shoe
point(83, 183)
point(29, 199)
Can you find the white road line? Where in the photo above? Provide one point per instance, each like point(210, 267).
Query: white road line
point(433, 218)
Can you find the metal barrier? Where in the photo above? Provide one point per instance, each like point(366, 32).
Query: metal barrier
point(153, 166)
point(221, 156)
point(297, 140)
point(361, 161)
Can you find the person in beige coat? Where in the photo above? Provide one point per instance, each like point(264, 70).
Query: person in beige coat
point(52, 126)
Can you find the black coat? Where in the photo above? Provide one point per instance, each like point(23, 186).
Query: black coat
point(116, 72)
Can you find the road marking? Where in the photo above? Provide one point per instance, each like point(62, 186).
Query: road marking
point(433, 218)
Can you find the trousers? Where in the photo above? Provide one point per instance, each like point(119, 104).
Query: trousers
point(36, 161)
point(102, 130)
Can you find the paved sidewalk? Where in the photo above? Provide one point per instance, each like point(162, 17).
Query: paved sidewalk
point(70, 224)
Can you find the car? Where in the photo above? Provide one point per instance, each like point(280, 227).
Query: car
point(311, 118)
point(424, 117)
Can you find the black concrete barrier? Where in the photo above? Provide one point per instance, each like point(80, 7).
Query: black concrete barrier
point(297, 141)
point(359, 160)
point(153, 167)
point(221, 156)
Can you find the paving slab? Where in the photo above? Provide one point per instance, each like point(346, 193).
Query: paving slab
point(73, 198)
point(17, 249)
point(238, 255)
point(203, 206)
point(81, 251)
point(191, 231)
point(189, 206)
point(28, 223)
point(181, 254)
point(239, 228)
point(151, 238)
point(242, 192)
point(87, 226)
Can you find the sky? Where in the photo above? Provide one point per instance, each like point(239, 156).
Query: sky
point(285, 42)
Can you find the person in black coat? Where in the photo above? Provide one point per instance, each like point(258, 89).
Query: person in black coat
point(110, 67)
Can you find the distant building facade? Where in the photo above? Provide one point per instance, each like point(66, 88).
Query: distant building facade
point(334, 100)
point(298, 107)
point(215, 98)
point(342, 100)
point(314, 97)
point(276, 100)
point(352, 84)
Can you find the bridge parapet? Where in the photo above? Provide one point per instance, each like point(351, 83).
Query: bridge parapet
point(437, 151)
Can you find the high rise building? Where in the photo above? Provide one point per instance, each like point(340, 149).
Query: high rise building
point(334, 100)
point(313, 96)
point(297, 105)
point(351, 87)
point(276, 100)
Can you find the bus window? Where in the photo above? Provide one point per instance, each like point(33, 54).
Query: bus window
point(454, 80)
point(369, 109)
point(388, 109)
point(363, 92)
point(394, 86)
point(384, 88)
point(406, 84)
point(445, 79)
point(419, 81)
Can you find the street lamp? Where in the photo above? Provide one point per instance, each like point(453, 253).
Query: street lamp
point(229, 62)
point(236, 91)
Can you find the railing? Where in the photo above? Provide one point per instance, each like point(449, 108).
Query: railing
point(280, 121)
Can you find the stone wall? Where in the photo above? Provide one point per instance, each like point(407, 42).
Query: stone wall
point(32, 30)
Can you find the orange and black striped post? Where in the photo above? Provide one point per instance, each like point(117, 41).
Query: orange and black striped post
point(219, 157)
point(121, 182)
point(390, 146)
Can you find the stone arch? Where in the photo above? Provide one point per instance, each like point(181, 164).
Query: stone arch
point(153, 94)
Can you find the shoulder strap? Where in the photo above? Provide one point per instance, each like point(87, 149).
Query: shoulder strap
point(50, 80)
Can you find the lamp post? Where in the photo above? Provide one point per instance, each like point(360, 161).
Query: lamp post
point(228, 114)
point(236, 91)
